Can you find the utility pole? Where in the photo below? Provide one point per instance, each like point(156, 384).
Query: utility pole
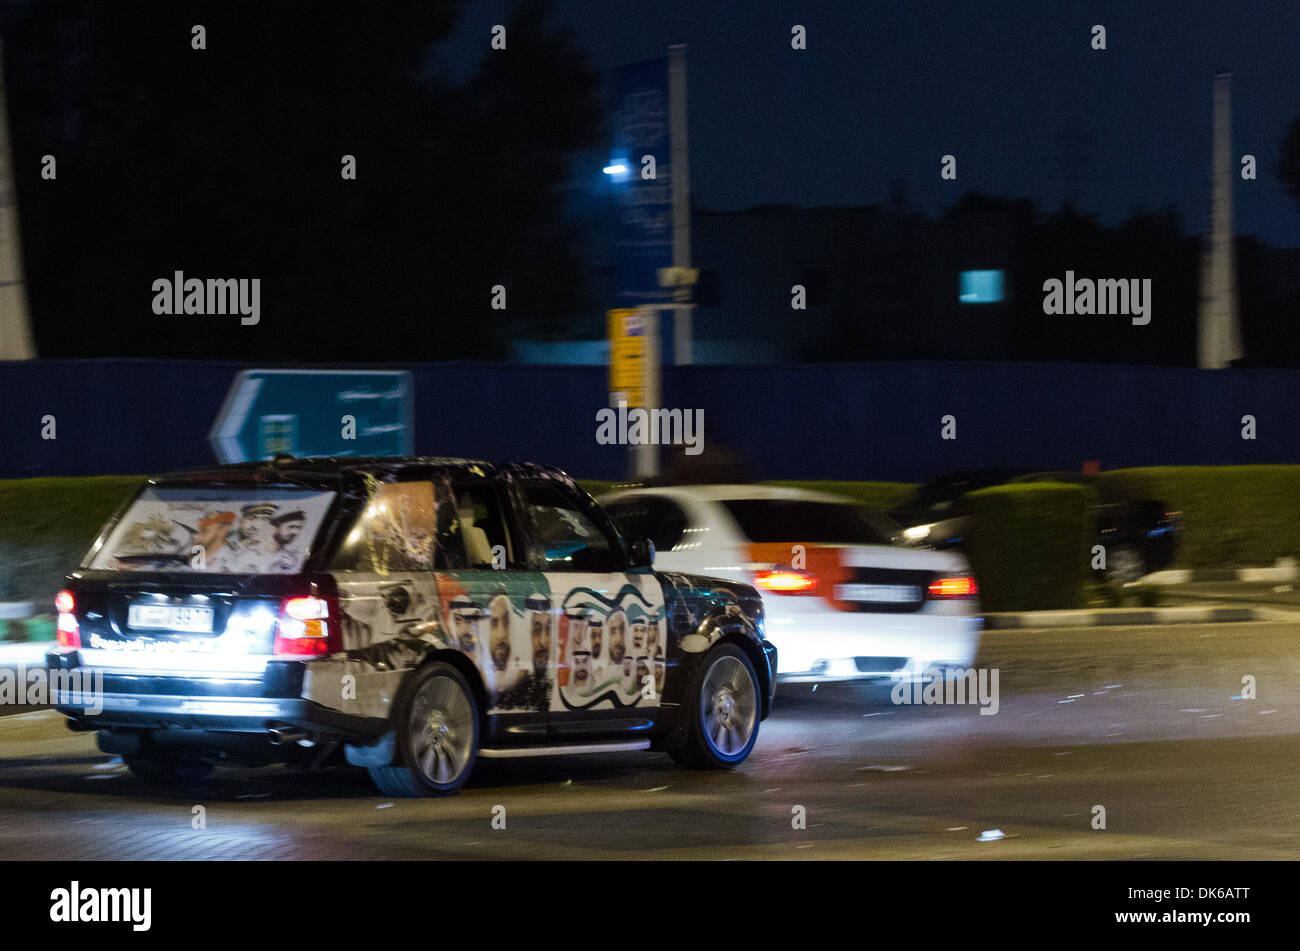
point(681, 181)
point(16, 341)
point(1219, 333)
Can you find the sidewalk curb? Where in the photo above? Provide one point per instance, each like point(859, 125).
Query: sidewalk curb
point(1115, 617)
point(1192, 575)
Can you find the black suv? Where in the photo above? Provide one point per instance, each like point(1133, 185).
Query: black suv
point(406, 615)
point(1139, 535)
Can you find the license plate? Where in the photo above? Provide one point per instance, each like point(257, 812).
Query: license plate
point(162, 617)
point(878, 593)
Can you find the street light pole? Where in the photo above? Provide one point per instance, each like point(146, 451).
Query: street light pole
point(681, 182)
point(16, 342)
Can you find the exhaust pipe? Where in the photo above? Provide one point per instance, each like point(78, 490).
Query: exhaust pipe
point(285, 735)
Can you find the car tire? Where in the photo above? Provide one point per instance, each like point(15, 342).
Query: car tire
point(723, 706)
point(165, 770)
point(1125, 564)
point(437, 736)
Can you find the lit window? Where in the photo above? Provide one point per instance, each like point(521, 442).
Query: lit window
point(981, 287)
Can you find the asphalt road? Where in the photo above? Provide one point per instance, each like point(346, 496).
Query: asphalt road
point(1139, 720)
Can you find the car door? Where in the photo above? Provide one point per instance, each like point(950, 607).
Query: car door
point(610, 634)
point(498, 610)
point(388, 598)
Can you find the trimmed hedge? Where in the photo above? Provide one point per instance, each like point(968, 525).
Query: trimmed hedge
point(1029, 545)
point(48, 526)
point(1232, 515)
point(874, 495)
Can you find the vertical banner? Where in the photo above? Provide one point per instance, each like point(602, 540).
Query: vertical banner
point(643, 193)
point(627, 353)
point(634, 370)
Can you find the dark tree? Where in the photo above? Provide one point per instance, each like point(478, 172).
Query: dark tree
point(226, 161)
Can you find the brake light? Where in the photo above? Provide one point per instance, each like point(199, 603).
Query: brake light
point(305, 627)
point(786, 581)
point(962, 587)
point(68, 634)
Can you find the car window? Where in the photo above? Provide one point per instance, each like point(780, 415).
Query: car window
point(219, 529)
point(646, 516)
point(473, 528)
point(394, 532)
point(567, 537)
point(799, 520)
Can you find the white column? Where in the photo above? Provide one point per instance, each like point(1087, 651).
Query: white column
point(1219, 333)
point(16, 341)
point(646, 455)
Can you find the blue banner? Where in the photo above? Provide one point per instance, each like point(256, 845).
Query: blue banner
point(645, 215)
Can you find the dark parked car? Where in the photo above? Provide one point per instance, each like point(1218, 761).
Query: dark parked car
point(406, 615)
point(1139, 535)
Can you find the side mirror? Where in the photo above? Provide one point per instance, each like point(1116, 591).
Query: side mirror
point(641, 553)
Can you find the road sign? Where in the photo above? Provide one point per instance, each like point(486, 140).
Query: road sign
point(627, 353)
point(315, 413)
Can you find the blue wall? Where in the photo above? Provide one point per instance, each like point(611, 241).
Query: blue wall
point(835, 421)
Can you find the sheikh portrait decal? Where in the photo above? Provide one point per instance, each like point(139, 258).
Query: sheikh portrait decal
point(611, 649)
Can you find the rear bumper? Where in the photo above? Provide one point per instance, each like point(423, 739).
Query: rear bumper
point(123, 700)
point(847, 668)
point(821, 646)
point(212, 714)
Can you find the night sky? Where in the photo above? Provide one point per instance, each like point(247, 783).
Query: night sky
point(885, 89)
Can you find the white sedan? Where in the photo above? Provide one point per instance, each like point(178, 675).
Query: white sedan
point(843, 601)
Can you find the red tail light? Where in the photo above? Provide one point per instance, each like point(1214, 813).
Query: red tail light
point(67, 632)
point(962, 587)
point(786, 581)
point(307, 627)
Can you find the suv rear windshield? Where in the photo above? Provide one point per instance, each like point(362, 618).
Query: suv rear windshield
point(798, 520)
point(216, 530)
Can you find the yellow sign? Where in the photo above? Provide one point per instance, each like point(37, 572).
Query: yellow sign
point(626, 357)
